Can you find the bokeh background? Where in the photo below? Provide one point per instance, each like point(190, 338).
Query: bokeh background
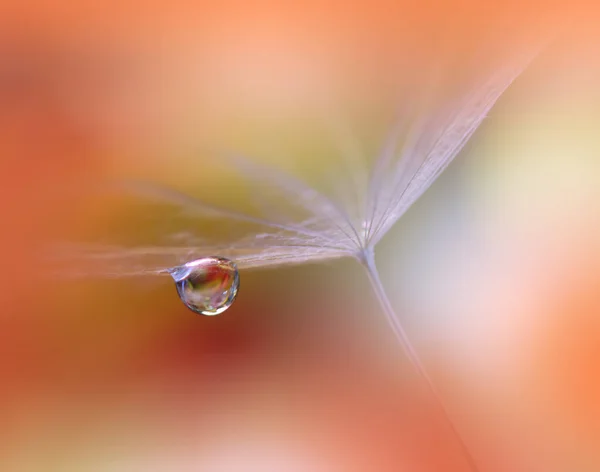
point(494, 271)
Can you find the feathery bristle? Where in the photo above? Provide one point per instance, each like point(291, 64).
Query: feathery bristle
point(415, 153)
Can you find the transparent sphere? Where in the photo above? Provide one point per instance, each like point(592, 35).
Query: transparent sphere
point(207, 286)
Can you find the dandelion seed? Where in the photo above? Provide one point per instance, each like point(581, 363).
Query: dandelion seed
point(328, 229)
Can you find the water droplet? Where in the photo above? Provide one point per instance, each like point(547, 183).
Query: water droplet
point(207, 286)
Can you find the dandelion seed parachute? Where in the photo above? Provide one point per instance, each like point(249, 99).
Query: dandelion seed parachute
point(322, 228)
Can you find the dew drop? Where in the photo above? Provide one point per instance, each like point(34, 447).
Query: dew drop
point(207, 286)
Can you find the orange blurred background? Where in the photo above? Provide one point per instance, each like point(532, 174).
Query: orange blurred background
point(494, 271)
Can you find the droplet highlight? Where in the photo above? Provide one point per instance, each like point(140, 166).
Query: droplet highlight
point(207, 286)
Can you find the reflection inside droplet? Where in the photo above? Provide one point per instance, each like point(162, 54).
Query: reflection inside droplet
point(207, 286)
